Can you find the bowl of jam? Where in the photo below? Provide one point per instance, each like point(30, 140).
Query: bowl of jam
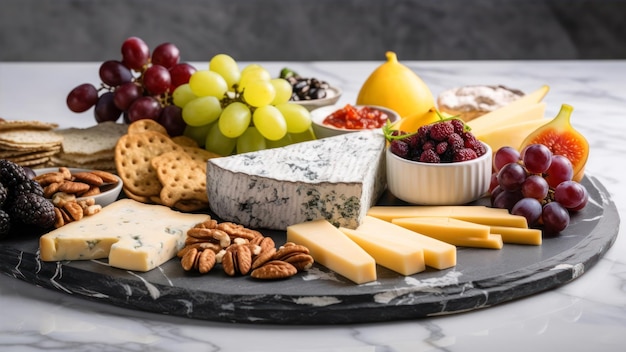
point(334, 120)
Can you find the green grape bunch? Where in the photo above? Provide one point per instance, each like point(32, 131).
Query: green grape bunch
point(232, 111)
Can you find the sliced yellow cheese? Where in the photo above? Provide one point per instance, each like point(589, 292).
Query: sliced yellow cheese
point(453, 231)
point(333, 249)
point(510, 134)
point(437, 254)
point(478, 214)
point(133, 235)
point(508, 112)
point(517, 235)
point(394, 253)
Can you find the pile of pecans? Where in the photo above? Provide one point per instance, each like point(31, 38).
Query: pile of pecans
point(241, 251)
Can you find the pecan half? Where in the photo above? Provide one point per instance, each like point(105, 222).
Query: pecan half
point(212, 235)
point(237, 260)
point(296, 255)
point(89, 178)
point(273, 270)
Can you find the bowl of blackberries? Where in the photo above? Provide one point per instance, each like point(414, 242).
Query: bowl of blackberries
point(441, 163)
point(22, 201)
point(310, 92)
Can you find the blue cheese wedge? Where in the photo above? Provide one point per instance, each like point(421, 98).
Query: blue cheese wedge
point(336, 179)
point(134, 236)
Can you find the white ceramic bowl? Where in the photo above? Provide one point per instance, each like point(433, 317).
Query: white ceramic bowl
point(439, 184)
point(108, 196)
point(332, 96)
point(322, 130)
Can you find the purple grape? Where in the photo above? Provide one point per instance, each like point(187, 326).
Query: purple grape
point(166, 55)
point(135, 53)
point(157, 79)
point(180, 74)
point(537, 158)
point(555, 218)
point(113, 73)
point(505, 155)
point(507, 199)
point(511, 176)
point(535, 186)
point(82, 98)
point(126, 94)
point(560, 170)
point(171, 118)
point(570, 194)
point(105, 109)
point(145, 107)
point(530, 208)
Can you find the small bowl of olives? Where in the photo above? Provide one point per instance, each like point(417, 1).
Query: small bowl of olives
point(312, 93)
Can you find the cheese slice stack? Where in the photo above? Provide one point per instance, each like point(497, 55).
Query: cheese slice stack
point(133, 235)
point(333, 249)
point(437, 254)
point(337, 179)
point(453, 231)
point(472, 213)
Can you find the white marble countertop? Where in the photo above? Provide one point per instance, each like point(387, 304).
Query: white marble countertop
point(588, 313)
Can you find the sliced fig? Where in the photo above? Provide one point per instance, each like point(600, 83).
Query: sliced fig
point(562, 139)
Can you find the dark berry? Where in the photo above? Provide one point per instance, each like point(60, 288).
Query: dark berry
point(428, 145)
point(470, 140)
point(423, 134)
point(399, 148)
point(464, 154)
point(441, 147)
point(5, 224)
point(33, 209)
point(441, 130)
point(11, 173)
point(429, 156)
point(28, 186)
point(3, 194)
point(459, 126)
point(456, 141)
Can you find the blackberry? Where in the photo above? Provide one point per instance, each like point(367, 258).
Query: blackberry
point(429, 156)
point(459, 126)
point(464, 154)
point(4, 193)
point(456, 141)
point(5, 224)
point(441, 130)
point(28, 186)
point(11, 173)
point(399, 148)
point(441, 147)
point(33, 209)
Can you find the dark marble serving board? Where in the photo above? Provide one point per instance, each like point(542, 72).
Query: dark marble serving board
point(481, 278)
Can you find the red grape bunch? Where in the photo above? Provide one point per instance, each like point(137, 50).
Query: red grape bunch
point(536, 184)
point(139, 86)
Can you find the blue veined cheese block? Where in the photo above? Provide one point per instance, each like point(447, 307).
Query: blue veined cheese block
point(337, 179)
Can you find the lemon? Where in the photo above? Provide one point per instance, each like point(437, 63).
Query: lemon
point(395, 86)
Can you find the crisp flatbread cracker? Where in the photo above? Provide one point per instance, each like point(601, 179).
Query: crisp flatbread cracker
point(30, 137)
point(23, 124)
point(100, 138)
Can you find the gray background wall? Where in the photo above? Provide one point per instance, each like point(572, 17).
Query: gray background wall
point(93, 30)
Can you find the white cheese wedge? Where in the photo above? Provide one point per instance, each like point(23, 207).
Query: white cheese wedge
point(133, 235)
point(337, 179)
point(518, 236)
point(334, 250)
point(437, 254)
point(473, 213)
point(453, 231)
point(399, 255)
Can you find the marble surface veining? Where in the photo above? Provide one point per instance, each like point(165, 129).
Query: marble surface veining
point(588, 313)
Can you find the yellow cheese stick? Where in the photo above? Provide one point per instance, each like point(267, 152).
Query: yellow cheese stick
point(453, 231)
point(518, 236)
point(437, 254)
point(333, 249)
point(394, 253)
point(478, 214)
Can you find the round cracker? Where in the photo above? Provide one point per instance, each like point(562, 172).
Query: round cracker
point(144, 125)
